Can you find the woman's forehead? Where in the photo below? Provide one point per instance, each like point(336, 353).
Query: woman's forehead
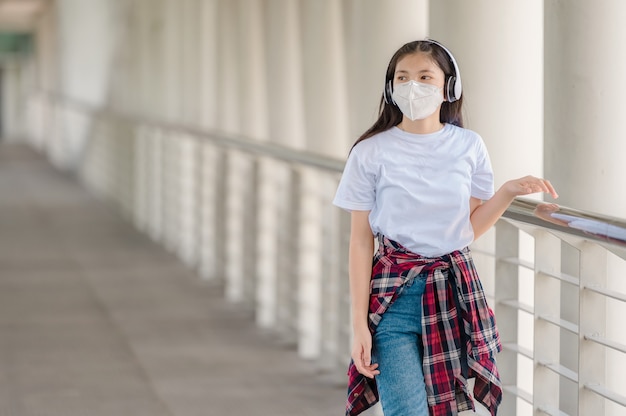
point(417, 60)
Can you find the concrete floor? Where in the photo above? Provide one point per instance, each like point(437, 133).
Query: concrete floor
point(97, 320)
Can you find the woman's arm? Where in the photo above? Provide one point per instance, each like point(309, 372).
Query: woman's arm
point(484, 215)
point(360, 271)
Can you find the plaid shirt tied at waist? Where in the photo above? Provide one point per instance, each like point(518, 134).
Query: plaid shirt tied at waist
point(459, 333)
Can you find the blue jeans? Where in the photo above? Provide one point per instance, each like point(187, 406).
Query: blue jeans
point(397, 350)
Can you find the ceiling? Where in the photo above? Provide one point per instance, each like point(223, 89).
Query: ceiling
point(20, 15)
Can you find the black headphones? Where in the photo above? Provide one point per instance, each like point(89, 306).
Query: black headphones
point(452, 85)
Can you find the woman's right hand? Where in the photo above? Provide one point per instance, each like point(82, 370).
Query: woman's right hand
point(362, 353)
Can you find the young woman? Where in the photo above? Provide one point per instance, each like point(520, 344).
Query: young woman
point(422, 185)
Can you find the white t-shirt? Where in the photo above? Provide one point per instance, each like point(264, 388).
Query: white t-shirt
point(418, 186)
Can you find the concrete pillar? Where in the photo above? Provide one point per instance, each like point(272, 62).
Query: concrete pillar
point(190, 60)
point(584, 100)
point(150, 50)
point(325, 96)
point(46, 56)
point(252, 109)
point(88, 34)
point(45, 44)
point(584, 149)
point(374, 30)
point(171, 61)
point(229, 112)
point(11, 100)
point(241, 111)
point(212, 160)
point(324, 69)
point(277, 244)
point(284, 74)
point(499, 49)
point(208, 74)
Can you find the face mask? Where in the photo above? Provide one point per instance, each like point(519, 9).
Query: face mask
point(417, 100)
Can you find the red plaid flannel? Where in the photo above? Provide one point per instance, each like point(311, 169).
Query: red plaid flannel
point(453, 297)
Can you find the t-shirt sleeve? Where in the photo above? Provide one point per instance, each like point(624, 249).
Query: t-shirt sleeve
point(482, 177)
point(357, 188)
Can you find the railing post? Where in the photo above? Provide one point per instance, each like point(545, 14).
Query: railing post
point(239, 236)
point(273, 179)
point(142, 178)
point(546, 383)
point(592, 318)
point(331, 321)
point(212, 213)
point(155, 186)
point(125, 157)
point(289, 260)
point(506, 289)
point(188, 201)
point(171, 192)
point(310, 267)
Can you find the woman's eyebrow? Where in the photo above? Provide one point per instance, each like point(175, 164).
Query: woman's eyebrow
point(421, 71)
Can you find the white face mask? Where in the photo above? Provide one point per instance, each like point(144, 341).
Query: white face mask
point(417, 100)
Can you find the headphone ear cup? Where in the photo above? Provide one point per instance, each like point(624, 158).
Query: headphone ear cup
point(450, 89)
point(388, 93)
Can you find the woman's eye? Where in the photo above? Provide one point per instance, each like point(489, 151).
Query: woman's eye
point(401, 78)
point(426, 77)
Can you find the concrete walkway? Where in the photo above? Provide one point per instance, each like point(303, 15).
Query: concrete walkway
point(97, 320)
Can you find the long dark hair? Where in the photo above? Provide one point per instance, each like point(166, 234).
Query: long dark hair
point(390, 115)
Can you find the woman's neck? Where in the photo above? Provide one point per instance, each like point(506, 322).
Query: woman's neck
point(425, 126)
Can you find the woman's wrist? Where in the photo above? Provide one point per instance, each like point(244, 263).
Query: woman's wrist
point(359, 323)
point(508, 191)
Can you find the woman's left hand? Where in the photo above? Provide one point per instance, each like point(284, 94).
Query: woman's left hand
point(529, 185)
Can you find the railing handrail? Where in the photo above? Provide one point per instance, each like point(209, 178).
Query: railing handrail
point(610, 231)
point(220, 138)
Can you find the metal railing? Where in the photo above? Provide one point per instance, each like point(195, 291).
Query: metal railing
point(258, 218)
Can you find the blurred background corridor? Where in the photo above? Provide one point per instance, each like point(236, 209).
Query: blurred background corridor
point(167, 240)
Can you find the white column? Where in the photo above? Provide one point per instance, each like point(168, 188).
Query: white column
point(242, 111)
point(171, 61)
point(47, 51)
point(87, 36)
point(252, 112)
point(228, 111)
point(208, 75)
point(46, 55)
point(212, 184)
point(10, 99)
point(237, 172)
point(324, 70)
point(150, 51)
point(584, 144)
point(503, 103)
point(284, 74)
point(138, 42)
point(584, 103)
point(374, 30)
point(190, 60)
point(278, 192)
point(325, 101)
